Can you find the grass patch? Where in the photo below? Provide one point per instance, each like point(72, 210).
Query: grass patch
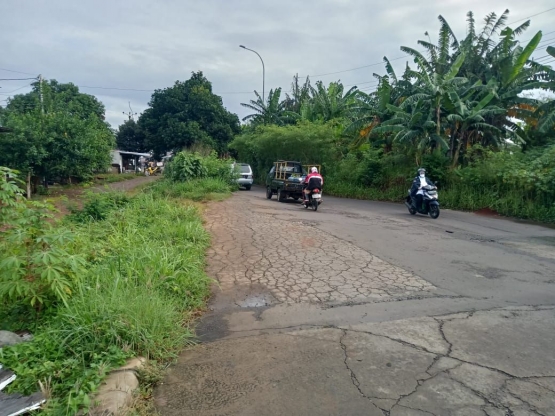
point(144, 281)
point(206, 189)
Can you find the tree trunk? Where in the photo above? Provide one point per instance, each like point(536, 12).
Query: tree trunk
point(457, 152)
point(29, 185)
point(452, 144)
point(438, 123)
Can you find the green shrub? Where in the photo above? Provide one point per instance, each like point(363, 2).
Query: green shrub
point(186, 166)
point(98, 205)
point(35, 266)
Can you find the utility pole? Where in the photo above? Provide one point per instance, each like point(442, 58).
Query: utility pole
point(131, 113)
point(40, 93)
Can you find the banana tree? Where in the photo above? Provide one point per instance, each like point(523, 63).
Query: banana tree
point(271, 112)
point(468, 121)
point(545, 112)
point(371, 109)
point(331, 103)
point(412, 127)
point(433, 86)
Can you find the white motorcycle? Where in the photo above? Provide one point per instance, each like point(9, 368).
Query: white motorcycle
point(430, 204)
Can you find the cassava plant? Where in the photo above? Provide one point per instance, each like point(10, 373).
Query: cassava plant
point(35, 267)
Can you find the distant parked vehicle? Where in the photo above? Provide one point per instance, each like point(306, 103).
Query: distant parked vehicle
point(245, 179)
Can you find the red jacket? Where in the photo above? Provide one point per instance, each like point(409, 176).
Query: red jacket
point(314, 175)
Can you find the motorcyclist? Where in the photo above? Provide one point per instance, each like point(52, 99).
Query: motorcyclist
point(416, 191)
point(312, 181)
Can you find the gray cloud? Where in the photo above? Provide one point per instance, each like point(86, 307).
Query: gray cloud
point(146, 45)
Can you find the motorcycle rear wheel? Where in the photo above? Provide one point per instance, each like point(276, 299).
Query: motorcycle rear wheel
point(315, 205)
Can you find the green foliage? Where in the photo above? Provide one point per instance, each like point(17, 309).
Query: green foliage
point(186, 166)
point(131, 137)
point(305, 142)
point(206, 189)
point(11, 198)
point(185, 114)
point(35, 266)
point(97, 206)
point(70, 140)
point(144, 276)
point(273, 111)
point(57, 97)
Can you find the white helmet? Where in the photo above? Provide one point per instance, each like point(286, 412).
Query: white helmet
point(314, 169)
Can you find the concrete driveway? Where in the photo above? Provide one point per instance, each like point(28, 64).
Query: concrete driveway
point(361, 309)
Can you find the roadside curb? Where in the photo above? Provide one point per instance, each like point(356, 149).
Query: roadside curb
point(115, 394)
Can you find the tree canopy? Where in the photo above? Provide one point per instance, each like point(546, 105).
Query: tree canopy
point(186, 114)
point(71, 138)
point(131, 137)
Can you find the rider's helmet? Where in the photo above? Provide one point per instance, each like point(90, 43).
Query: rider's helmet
point(314, 169)
point(421, 171)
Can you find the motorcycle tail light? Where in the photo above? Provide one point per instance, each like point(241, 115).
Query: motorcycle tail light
point(316, 191)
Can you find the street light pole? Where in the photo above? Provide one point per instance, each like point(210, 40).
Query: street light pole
point(263, 69)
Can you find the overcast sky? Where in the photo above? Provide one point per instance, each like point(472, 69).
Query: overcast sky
point(146, 44)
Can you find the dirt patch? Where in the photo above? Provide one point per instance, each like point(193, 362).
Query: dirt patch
point(60, 196)
point(487, 212)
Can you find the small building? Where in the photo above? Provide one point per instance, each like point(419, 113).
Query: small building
point(123, 161)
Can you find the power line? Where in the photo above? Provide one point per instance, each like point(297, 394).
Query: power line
point(359, 67)
point(144, 90)
point(15, 72)
point(16, 79)
point(20, 88)
point(534, 15)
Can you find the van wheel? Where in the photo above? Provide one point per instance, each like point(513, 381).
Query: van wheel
point(280, 195)
point(269, 193)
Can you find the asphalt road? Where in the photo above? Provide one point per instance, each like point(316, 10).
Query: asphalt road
point(361, 308)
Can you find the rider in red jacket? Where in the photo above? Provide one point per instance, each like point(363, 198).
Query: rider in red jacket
point(314, 184)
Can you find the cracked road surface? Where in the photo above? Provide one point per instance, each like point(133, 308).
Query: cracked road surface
point(361, 309)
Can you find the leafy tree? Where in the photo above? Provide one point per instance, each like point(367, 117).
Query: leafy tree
point(186, 114)
point(71, 138)
point(131, 137)
point(57, 97)
point(56, 145)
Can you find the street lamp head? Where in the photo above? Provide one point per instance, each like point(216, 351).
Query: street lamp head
point(241, 46)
